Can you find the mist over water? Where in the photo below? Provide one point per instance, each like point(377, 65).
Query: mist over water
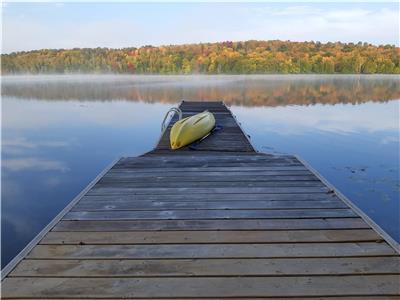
point(243, 90)
point(60, 131)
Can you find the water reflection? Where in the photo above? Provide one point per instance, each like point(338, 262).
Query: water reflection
point(59, 132)
point(356, 147)
point(261, 90)
point(52, 149)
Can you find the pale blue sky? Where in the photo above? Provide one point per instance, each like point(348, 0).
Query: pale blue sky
point(56, 25)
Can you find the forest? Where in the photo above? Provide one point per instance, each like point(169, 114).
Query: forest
point(248, 57)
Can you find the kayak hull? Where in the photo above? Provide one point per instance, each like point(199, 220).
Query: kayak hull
point(191, 129)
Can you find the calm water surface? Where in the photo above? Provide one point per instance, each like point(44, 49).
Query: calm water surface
point(59, 132)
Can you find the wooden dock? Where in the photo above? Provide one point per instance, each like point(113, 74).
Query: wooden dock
point(214, 221)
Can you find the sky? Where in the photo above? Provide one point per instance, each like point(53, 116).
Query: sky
point(30, 26)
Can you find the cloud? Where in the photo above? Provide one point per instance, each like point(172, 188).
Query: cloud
point(12, 223)
point(390, 139)
point(338, 119)
point(20, 145)
point(23, 143)
point(369, 22)
point(379, 26)
point(19, 35)
point(32, 163)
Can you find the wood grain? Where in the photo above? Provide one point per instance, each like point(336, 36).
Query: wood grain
point(202, 287)
point(210, 250)
point(210, 237)
point(243, 224)
point(208, 267)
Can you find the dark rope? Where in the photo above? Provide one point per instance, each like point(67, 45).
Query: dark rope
point(193, 145)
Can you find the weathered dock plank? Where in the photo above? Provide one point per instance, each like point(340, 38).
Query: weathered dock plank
point(214, 221)
point(244, 224)
point(223, 224)
point(210, 251)
point(207, 205)
point(208, 267)
point(210, 237)
point(190, 287)
point(210, 214)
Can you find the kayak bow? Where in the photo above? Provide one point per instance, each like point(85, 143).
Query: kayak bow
point(190, 129)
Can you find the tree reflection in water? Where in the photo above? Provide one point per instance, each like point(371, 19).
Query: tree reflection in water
point(246, 90)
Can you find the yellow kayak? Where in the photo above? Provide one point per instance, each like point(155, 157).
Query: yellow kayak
point(190, 129)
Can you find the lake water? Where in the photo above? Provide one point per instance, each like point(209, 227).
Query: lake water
point(59, 132)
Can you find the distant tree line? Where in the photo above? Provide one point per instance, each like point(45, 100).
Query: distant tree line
point(249, 57)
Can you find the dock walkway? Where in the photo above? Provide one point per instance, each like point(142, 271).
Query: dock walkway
point(216, 221)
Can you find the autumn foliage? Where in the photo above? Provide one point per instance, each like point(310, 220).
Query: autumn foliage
point(249, 57)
